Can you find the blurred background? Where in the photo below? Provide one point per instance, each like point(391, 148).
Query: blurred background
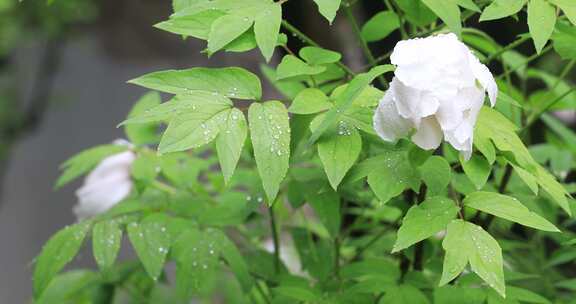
point(63, 73)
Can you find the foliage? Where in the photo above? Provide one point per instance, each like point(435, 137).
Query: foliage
point(367, 221)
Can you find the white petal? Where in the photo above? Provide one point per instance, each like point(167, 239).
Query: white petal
point(98, 198)
point(388, 124)
point(452, 110)
point(412, 103)
point(117, 162)
point(486, 79)
point(429, 134)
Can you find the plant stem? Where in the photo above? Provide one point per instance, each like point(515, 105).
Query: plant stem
point(307, 40)
point(528, 60)
point(510, 46)
point(363, 43)
point(419, 249)
point(275, 239)
point(337, 257)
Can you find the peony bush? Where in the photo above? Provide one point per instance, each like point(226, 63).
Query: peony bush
point(440, 173)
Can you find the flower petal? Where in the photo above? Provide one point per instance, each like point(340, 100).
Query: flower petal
point(388, 124)
point(486, 79)
point(429, 134)
point(412, 103)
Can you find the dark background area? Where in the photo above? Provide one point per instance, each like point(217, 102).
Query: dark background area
point(71, 90)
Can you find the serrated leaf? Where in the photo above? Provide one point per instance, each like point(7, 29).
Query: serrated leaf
point(502, 8)
point(478, 169)
point(267, 27)
point(328, 8)
point(106, 242)
point(57, 253)
point(468, 243)
point(226, 29)
point(196, 125)
point(230, 140)
point(292, 66)
point(338, 150)
point(436, 174)
point(326, 205)
point(231, 82)
point(151, 242)
point(508, 208)
point(270, 135)
point(344, 101)
point(541, 21)
point(425, 220)
point(145, 133)
point(84, 161)
point(315, 55)
point(380, 26)
point(310, 101)
point(448, 11)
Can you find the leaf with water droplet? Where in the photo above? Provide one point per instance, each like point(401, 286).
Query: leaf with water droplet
point(425, 220)
point(106, 242)
point(147, 237)
point(272, 155)
point(56, 253)
point(468, 243)
point(229, 143)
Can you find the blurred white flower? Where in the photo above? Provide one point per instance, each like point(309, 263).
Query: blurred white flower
point(288, 255)
point(438, 90)
point(108, 184)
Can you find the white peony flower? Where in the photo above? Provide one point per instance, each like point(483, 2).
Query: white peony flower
point(438, 90)
point(108, 184)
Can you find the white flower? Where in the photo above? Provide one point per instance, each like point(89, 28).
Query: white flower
point(108, 184)
point(438, 90)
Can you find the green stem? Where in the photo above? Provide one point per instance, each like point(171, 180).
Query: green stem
point(363, 43)
point(275, 239)
point(307, 40)
point(510, 46)
point(528, 60)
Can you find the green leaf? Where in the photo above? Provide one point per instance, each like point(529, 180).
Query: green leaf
point(541, 21)
point(564, 39)
point(436, 174)
point(467, 243)
point(85, 161)
point(525, 295)
point(146, 166)
point(316, 56)
point(508, 208)
point(328, 8)
point(151, 242)
point(300, 293)
point(292, 66)
point(270, 135)
point(226, 29)
point(267, 27)
point(339, 149)
point(229, 143)
point(380, 26)
point(468, 4)
point(310, 101)
point(391, 176)
point(425, 220)
point(448, 11)
point(478, 169)
point(196, 125)
point(106, 242)
point(416, 12)
point(145, 133)
point(232, 82)
point(344, 101)
point(235, 260)
point(197, 25)
point(404, 294)
point(57, 253)
point(565, 133)
point(502, 8)
point(68, 286)
point(326, 205)
point(196, 254)
point(452, 294)
point(527, 178)
point(568, 7)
